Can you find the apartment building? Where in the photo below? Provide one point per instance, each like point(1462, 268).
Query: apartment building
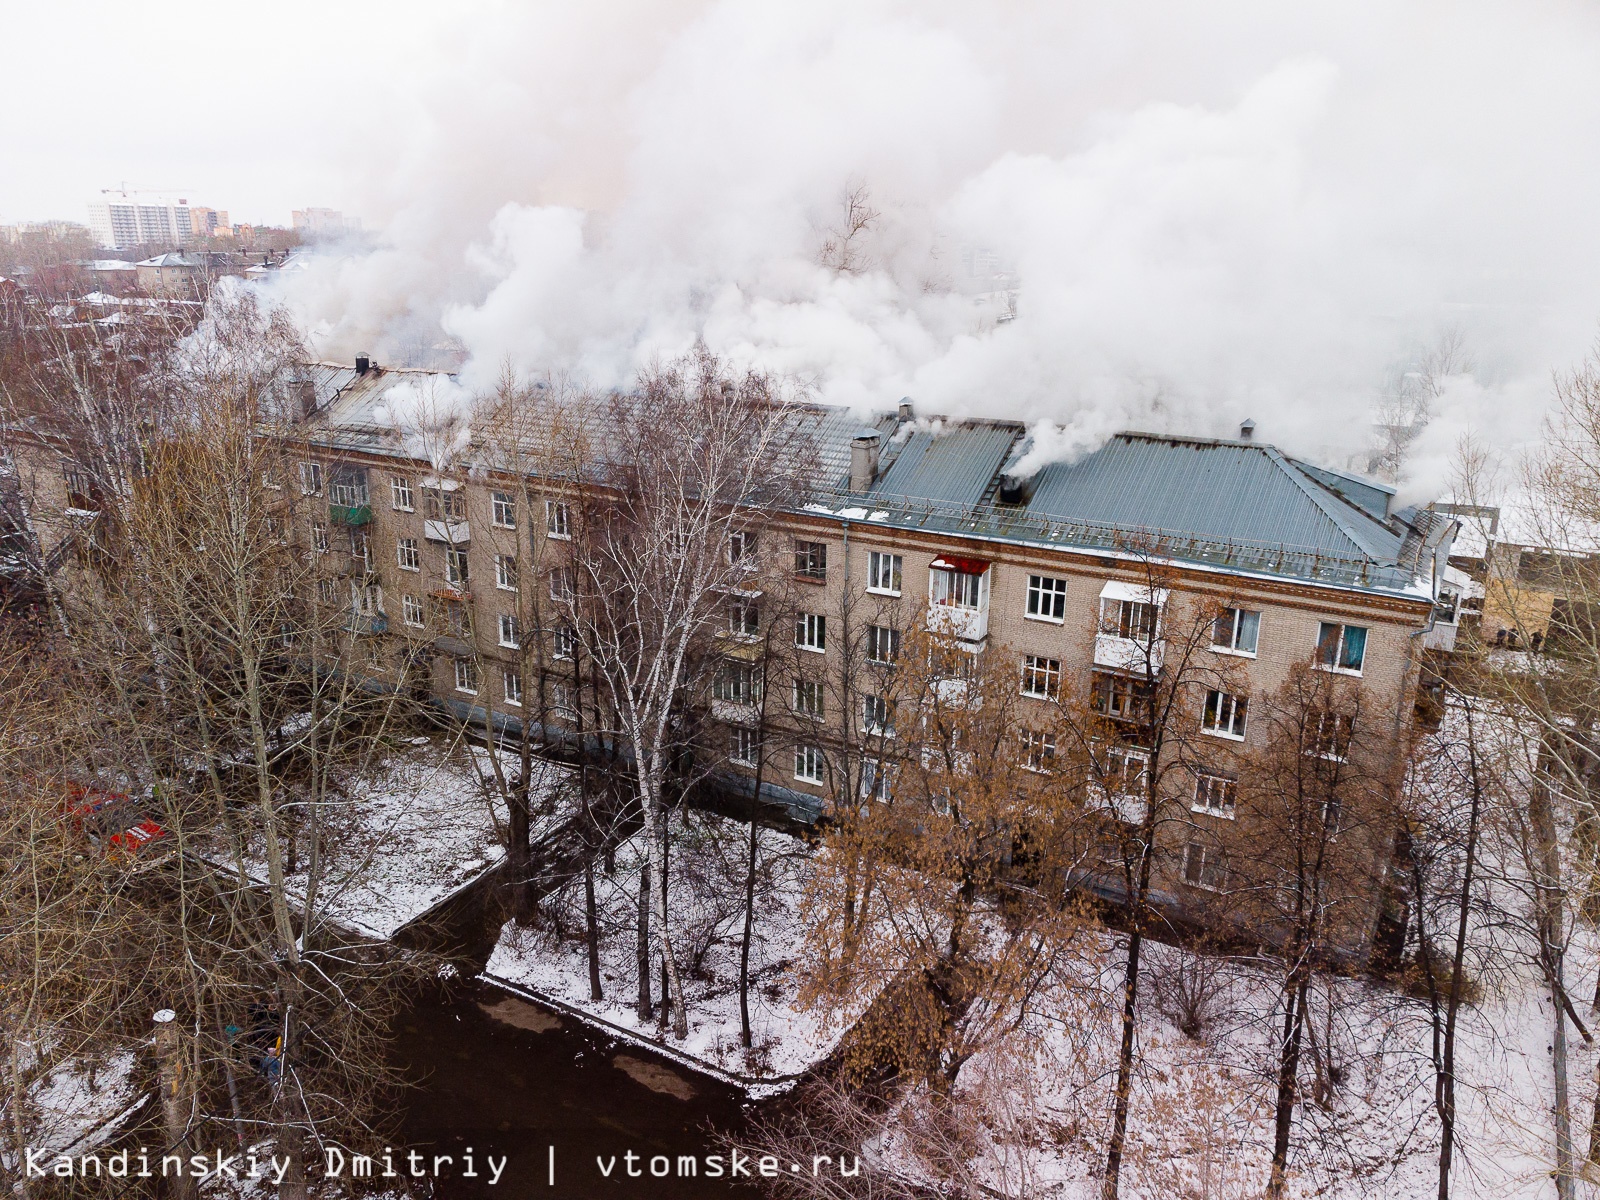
point(911, 521)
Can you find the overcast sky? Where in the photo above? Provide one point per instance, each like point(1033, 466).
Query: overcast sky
point(1240, 208)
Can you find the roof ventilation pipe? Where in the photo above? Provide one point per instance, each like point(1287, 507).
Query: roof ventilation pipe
point(306, 395)
point(1247, 430)
point(362, 363)
point(863, 460)
point(905, 413)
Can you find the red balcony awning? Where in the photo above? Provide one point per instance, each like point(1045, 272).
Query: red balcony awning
point(955, 562)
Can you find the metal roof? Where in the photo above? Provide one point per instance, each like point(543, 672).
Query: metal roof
point(957, 462)
point(1241, 491)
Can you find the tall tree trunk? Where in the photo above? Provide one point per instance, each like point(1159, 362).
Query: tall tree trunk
point(749, 904)
point(655, 835)
point(591, 928)
point(517, 849)
point(1548, 901)
point(1294, 1016)
point(1119, 1117)
point(174, 1103)
point(646, 1009)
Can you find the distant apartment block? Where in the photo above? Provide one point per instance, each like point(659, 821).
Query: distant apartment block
point(323, 222)
point(126, 219)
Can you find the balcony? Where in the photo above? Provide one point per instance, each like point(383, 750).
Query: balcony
point(452, 533)
point(968, 624)
point(1132, 655)
point(350, 514)
point(378, 623)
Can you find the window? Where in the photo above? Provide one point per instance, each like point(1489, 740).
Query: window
point(310, 479)
point(277, 531)
point(503, 510)
point(557, 519)
point(808, 764)
point(563, 700)
point(1123, 768)
point(1214, 794)
point(1120, 697)
point(876, 778)
point(1205, 867)
point(444, 504)
point(1132, 619)
point(735, 683)
point(455, 566)
point(1327, 735)
point(1047, 598)
point(405, 553)
point(811, 560)
point(883, 645)
point(411, 611)
point(511, 681)
point(563, 585)
point(401, 497)
point(564, 642)
point(505, 572)
point(1341, 647)
point(877, 716)
point(957, 589)
point(269, 479)
point(466, 676)
point(883, 573)
point(1041, 677)
point(509, 634)
point(808, 698)
point(319, 537)
point(744, 618)
point(328, 591)
point(742, 746)
point(366, 601)
point(361, 547)
point(1038, 751)
point(1225, 715)
point(742, 548)
point(811, 632)
point(1235, 631)
point(347, 490)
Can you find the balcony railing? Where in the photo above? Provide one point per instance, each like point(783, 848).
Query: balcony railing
point(1127, 654)
point(968, 624)
point(375, 624)
point(350, 514)
point(454, 533)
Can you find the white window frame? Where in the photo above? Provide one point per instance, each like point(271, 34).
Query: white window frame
point(735, 682)
point(1207, 800)
point(505, 572)
point(742, 549)
point(503, 510)
point(1210, 861)
point(1225, 715)
point(877, 780)
point(563, 585)
point(809, 764)
point(407, 556)
point(1047, 599)
point(811, 632)
point(411, 611)
point(1323, 716)
point(876, 636)
point(558, 520)
point(877, 716)
point(564, 642)
point(310, 479)
point(809, 699)
point(466, 676)
point(563, 702)
point(319, 537)
point(1235, 620)
point(456, 569)
point(743, 750)
point(511, 685)
point(885, 573)
point(401, 497)
point(949, 588)
point(744, 617)
point(1038, 751)
point(510, 635)
point(1038, 670)
point(1344, 628)
point(815, 555)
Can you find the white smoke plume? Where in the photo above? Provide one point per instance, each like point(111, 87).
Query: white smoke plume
point(1154, 215)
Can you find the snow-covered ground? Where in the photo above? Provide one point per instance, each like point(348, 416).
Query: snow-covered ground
point(406, 836)
point(706, 897)
point(79, 1104)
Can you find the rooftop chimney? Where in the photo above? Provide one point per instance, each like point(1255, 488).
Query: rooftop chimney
point(306, 394)
point(1247, 430)
point(362, 363)
point(905, 408)
point(863, 460)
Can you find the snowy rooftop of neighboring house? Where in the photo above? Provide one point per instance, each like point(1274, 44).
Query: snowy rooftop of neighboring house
point(1236, 506)
point(170, 259)
point(109, 264)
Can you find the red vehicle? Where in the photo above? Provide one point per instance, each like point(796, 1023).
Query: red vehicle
point(112, 820)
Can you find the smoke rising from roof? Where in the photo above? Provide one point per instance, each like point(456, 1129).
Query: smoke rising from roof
point(1158, 216)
